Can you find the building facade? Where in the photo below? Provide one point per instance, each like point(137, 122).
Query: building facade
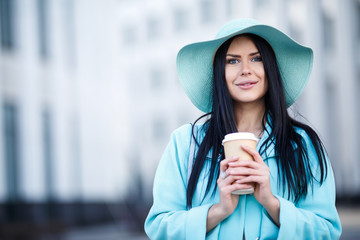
point(89, 92)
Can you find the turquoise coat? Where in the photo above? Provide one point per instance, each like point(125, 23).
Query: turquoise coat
point(313, 217)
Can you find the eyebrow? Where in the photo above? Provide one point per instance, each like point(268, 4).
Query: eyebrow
point(238, 56)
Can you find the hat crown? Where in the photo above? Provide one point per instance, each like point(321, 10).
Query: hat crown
point(235, 26)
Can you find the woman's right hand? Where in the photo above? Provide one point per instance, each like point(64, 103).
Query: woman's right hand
point(228, 201)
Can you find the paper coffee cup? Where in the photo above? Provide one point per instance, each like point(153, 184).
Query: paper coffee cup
point(232, 146)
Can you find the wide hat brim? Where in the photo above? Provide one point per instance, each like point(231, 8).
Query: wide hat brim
point(195, 70)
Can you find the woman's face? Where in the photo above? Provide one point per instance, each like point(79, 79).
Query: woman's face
point(244, 72)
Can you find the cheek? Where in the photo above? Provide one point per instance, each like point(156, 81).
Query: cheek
point(230, 75)
point(260, 71)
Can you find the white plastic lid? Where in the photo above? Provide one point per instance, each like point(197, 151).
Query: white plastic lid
point(239, 136)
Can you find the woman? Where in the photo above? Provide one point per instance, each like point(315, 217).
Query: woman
point(244, 81)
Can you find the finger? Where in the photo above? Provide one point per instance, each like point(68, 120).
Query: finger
point(240, 171)
point(224, 163)
point(234, 186)
point(238, 177)
point(227, 181)
point(244, 163)
point(252, 179)
point(247, 164)
point(255, 154)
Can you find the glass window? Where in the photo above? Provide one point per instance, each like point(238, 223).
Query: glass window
point(180, 19)
point(295, 32)
point(7, 24)
point(159, 129)
point(331, 118)
point(43, 28)
point(48, 153)
point(260, 2)
point(328, 31)
point(154, 28)
point(207, 10)
point(11, 150)
point(156, 79)
point(358, 21)
point(68, 16)
point(229, 7)
point(129, 37)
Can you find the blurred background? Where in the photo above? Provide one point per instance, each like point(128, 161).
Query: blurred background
point(89, 97)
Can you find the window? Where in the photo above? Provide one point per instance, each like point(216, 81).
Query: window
point(154, 28)
point(7, 24)
point(159, 129)
point(328, 32)
point(180, 19)
point(43, 29)
point(261, 3)
point(129, 37)
point(48, 153)
point(156, 79)
point(11, 150)
point(68, 16)
point(295, 32)
point(207, 10)
point(229, 7)
point(358, 20)
point(331, 118)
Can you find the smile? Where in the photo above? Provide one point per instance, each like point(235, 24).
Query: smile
point(246, 85)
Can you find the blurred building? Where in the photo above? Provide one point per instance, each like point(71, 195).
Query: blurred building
point(89, 93)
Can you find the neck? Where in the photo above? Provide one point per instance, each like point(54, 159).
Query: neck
point(249, 117)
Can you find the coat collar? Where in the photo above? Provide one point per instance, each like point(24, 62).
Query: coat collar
point(269, 148)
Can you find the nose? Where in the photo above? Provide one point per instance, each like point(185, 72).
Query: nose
point(245, 69)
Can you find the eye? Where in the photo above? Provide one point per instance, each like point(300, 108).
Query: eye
point(256, 59)
point(232, 61)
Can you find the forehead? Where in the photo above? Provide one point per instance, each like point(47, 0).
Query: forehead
point(242, 43)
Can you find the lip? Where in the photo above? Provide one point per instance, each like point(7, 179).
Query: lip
point(246, 84)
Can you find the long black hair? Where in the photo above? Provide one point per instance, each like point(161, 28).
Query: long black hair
point(290, 149)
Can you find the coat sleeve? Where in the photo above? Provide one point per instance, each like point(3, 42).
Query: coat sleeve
point(168, 217)
point(314, 217)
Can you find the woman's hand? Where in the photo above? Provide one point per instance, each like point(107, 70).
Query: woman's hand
point(257, 172)
point(228, 202)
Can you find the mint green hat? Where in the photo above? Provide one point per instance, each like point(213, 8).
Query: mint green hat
point(195, 71)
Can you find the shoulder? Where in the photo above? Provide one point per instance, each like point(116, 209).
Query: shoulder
point(185, 131)
point(182, 133)
point(181, 137)
point(180, 144)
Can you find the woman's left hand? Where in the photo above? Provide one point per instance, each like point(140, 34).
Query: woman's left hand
point(256, 172)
